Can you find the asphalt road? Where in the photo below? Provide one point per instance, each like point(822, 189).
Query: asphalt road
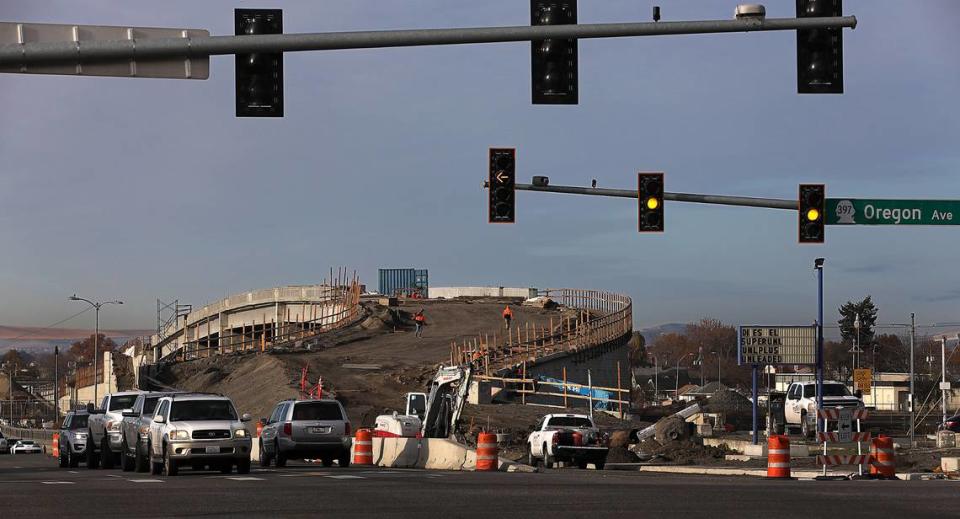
point(33, 486)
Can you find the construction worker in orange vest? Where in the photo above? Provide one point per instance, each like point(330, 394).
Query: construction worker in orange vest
point(507, 316)
point(419, 319)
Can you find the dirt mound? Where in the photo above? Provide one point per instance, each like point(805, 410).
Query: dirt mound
point(684, 453)
point(621, 455)
point(736, 408)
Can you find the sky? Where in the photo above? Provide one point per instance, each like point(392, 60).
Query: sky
point(138, 189)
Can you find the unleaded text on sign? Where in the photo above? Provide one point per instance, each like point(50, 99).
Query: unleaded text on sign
point(777, 345)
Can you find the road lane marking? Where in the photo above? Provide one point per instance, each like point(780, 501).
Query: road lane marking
point(344, 477)
point(246, 478)
point(145, 480)
point(57, 482)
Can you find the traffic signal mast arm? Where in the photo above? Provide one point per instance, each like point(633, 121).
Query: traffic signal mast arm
point(14, 55)
point(744, 201)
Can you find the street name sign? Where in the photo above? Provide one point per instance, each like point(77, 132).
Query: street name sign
point(777, 345)
point(864, 211)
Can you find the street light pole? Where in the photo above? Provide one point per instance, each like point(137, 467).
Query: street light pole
point(56, 384)
point(818, 264)
point(943, 377)
point(656, 379)
point(676, 391)
point(913, 417)
point(96, 341)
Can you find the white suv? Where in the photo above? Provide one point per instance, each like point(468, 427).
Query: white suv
point(200, 430)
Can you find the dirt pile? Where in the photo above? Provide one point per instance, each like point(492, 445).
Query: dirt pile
point(736, 408)
point(683, 452)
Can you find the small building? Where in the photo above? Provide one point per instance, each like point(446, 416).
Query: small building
point(705, 391)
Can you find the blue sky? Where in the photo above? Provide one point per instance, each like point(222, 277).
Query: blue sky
point(139, 188)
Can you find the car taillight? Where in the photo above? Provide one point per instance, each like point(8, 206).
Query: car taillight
point(951, 424)
point(288, 429)
point(577, 439)
point(346, 429)
point(556, 439)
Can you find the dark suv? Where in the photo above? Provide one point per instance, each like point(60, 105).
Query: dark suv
point(312, 429)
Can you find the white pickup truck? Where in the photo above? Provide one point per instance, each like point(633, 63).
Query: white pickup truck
point(800, 409)
point(568, 438)
point(104, 439)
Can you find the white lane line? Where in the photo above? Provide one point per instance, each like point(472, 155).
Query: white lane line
point(345, 477)
point(113, 476)
point(73, 472)
point(248, 478)
point(383, 472)
point(145, 480)
point(57, 482)
point(18, 467)
point(293, 475)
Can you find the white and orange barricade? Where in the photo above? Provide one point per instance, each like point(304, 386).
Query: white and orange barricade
point(844, 418)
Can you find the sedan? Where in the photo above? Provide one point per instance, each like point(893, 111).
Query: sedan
point(25, 447)
point(952, 424)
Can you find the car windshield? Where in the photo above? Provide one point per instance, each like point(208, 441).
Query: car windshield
point(569, 421)
point(317, 411)
point(828, 390)
point(118, 403)
point(78, 422)
point(26, 442)
point(150, 405)
point(202, 410)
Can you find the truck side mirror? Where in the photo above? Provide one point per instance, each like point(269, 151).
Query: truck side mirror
point(159, 419)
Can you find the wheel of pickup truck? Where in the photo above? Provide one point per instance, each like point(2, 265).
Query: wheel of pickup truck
point(805, 431)
point(264, 456)
point(106, 457)
point(547, 458)
point(530, 459)
point(141, 460)
point(126, 461)
point(243, 466)
point(281, 459)
point(92, 460)
point(169, 465)
point(600, 464)
point(582, 465)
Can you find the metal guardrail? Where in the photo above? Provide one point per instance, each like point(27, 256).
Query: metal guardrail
point(602, 317)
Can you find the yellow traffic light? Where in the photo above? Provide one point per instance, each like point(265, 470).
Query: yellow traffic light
point(652, 203)
point(813, 215)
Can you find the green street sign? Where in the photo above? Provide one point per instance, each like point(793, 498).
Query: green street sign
point(862, 211)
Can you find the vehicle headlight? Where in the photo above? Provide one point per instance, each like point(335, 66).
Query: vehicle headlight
point(240, 433)
point(113, 426)
point(179, 435)
point(81, 436)
point(144, 429)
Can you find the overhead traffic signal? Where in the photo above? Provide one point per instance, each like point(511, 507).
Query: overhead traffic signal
point(501, 201)
point(259, 76)
point(650, 196)
point(554, 61)
point(812, 207)
point(819, 51)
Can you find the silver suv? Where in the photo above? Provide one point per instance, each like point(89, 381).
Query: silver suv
point(135, 431)
point(313, 429)
point(198, 430)
point(73, 439)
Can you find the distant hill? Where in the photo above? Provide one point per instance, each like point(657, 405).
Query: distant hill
point(41, 340)
point(650, 334)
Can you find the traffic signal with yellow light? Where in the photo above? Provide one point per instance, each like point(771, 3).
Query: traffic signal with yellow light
point(819, 51)
point(259, 75)
point(502, 205)
point(554, 61)
point(650, 196)
point(812, 206)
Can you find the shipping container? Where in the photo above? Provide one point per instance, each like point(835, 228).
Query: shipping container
point(404, 282)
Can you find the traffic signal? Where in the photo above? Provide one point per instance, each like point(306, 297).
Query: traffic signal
point(259, 75)
point(819, 51)
point(502, 203)
point(554, 61)
point(650, 196)
point(812, 206)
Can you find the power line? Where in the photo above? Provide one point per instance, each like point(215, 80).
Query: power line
point(38, 330)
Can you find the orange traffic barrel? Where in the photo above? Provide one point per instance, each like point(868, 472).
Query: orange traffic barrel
point(363, 448)
point(778, 456)
point(884, 464)
point(487, 451)
point(56, 445)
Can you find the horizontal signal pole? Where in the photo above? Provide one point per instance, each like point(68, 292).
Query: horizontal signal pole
point(742, 201)
point(26, 54)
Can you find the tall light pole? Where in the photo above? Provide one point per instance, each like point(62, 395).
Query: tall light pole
point(96, 340)
point(913, 416)
point(943, 377)
point(676, 392)
point(818, 265)
point(56, 385)
point(656, 379)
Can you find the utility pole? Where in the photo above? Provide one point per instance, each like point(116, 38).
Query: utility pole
point(818, 265)
point(913, 417)
point(943, 377)
point(56, 384)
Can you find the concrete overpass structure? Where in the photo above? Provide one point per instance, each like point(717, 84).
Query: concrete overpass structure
point(257, 319)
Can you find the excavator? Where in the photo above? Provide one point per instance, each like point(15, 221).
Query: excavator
point(433, 415)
